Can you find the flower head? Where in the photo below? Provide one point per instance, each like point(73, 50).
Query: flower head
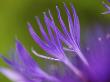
point(72, 37)
point(52, 43)
point(25, 69)
point(96, 50)
point(93, 66)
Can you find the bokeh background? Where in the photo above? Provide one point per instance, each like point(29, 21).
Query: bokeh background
point(14, 15)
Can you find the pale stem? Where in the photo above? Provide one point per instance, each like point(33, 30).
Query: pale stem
point(83, 58)
point(73, 68)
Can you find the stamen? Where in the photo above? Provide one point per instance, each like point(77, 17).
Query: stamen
point(73, 68)
point(44, 57)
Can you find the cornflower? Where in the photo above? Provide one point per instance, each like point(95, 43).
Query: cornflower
point(90, 63)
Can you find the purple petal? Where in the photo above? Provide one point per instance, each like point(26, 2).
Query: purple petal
point(24, 55)
point(42, 30)
point(71, 27)
point(12, 75)
point(58, 44)
point(37, 39)
point(67, 35)
point(61, 22)
point(48, 28)
point(9, 62)
point(50, 49)
point(76, 26)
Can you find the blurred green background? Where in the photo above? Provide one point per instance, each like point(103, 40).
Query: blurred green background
point(14, 15)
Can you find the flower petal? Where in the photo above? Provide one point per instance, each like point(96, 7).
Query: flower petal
point(12, 75)
point(24, 55)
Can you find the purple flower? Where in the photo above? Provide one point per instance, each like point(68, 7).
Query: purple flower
point(98, 54)
point(24, 68)
point(72, 37)
point(91, 66)
point(96, 50)
point(52, 43)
